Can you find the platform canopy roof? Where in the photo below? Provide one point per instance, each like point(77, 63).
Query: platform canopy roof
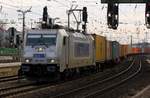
point(124, 1)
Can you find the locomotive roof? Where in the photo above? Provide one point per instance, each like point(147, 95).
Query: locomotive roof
point(44, 31)
point(82, 36)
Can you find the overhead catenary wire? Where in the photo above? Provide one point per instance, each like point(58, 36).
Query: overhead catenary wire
point(12, 7)
point(65, 4)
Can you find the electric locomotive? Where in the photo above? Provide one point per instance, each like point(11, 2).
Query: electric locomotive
point(51, 52)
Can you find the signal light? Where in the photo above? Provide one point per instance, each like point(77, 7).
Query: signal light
point(109, 14)
point(147, 15)
point(116, 17)
point(115, 8)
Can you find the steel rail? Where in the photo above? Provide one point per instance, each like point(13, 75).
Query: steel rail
point(115, 84)
point(99, 82)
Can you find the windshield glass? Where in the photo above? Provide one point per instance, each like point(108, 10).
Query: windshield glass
point(41, 39)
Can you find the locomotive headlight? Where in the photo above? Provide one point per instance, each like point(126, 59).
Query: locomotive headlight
point(40, 49)
point(51, 61)
point(147, 15)
point(27, 60)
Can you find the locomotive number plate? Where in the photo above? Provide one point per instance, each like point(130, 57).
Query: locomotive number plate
point(39, 55)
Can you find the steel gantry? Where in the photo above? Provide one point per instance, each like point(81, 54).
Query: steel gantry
point(113, 13)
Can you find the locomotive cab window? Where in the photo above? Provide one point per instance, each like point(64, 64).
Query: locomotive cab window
point(41, 39)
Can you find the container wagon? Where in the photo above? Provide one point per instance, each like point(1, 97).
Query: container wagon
point(123, 51)
point(108, 54)
point(147, 50)
point(115, 51)
point(100, 50)
point(136, 50)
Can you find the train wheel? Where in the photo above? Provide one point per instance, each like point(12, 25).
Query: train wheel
point(58, 76)
point(98, 66)
point(102, 67)
point(64, 75)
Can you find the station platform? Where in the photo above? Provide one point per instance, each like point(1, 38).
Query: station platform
point(144, 93)
point(10, 64)
point(9, 69)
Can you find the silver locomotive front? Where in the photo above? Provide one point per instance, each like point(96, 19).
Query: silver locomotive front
point(39, 55)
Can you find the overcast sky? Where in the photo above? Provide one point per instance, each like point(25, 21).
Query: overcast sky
point(131, 15)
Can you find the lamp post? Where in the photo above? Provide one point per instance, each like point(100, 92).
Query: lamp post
point(23, 24)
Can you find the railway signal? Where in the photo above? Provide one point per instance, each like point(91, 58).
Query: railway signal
point(17, 41)
point(147, 15)
point(112, 15)
point(12, 33)
point(109, 15)
point(115, 16)
point(85, 14)
point(45, 17)
point(84, 18)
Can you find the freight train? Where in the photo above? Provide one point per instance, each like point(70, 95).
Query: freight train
point(55, 52)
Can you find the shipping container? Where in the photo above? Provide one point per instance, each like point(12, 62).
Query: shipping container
point(100, 48)
point(109, 51)
point(147, 50)
point(129, 49)
point(136, 50)
point(124, 50)
point(120, 50)
point(115, 50)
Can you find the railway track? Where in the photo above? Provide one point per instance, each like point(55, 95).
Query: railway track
point(9, 78)
point(16, 87)
point(23, 89)
point(20, 89)
point(5, 92)
point(8, 61)
point(95, 89)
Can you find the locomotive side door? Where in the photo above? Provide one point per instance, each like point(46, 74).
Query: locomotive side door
point(66, 51)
